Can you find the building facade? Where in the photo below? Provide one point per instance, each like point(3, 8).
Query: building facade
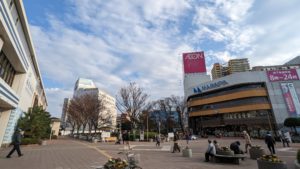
point(238, 65)
point(234, 66)
point(64, 114)
point(257, 101)
point(87, 86)
point(21, 84)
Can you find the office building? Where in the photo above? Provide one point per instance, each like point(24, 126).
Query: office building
point(21, 84)
point(238, 65)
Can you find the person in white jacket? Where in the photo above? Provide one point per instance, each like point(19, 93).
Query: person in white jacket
point(211, 151)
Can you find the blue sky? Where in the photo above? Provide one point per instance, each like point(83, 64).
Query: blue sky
point(117, 42)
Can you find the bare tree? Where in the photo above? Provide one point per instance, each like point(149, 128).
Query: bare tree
point(89, 110)
point(180, 105)
point(132, 100)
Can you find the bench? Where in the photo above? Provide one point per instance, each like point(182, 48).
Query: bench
point(229, 158)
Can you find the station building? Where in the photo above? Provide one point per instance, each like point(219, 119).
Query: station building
point(256, 101)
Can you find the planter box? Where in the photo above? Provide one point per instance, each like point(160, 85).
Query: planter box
point(262, 164)
point(228, 153)
point(256, 153)
point(187, 152)
point(297, 165)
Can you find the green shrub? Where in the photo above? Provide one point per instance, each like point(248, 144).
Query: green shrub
point(26, 141)
point(298, 156)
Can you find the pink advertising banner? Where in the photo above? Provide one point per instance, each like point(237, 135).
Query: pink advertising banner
point(194, 62)
point(291, 98)
point(282, 75)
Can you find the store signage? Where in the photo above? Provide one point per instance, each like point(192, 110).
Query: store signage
point(194, 62)
point(210, 86)
point(282, 75)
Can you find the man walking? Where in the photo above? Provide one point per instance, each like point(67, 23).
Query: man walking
point(269, 140)
point(247, 141)
point(16, 141)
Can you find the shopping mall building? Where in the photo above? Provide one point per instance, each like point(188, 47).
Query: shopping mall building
point(256, 101)
point(21, 86)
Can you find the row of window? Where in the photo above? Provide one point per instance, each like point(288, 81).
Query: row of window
point(228, 90)
point(7, 72)
point(231, 103)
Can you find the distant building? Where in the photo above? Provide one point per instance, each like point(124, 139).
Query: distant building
point(234, 66)
point(21, 85)
point(55, 126)
point(64, 115)
point(276, 67)
point(87, 86)
point(295, 61)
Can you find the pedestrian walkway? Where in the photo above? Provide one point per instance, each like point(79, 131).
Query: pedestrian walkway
point(74, 154)
point(59, 154)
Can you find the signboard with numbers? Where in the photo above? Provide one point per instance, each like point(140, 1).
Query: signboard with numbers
point(282, 75)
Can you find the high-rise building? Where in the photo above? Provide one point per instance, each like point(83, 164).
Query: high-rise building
point(216, 71)
point(87, 86)
point(234, 66)
point(21, 85)
point(64, 114)
point(238, 65)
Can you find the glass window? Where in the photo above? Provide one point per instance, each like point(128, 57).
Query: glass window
point(7, 72)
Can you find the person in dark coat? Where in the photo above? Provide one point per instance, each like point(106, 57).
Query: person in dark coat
point(176, 146)
point(269, 140)
point(235, 147)
point(16, 141)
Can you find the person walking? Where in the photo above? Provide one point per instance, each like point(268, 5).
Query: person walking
point(211, 151)
point(126, 139)
point(187, 137)
point(16, 141)
point(247, 141)
point(269, 140)
point(176, 146)
point(157, 140)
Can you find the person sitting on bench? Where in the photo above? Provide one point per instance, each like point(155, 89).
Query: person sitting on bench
point(235, 147)
point(211, 151)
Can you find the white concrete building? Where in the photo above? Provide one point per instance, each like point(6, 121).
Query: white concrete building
point(21, 86)
point(84, 86)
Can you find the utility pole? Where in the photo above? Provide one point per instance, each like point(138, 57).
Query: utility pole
point(147, 126)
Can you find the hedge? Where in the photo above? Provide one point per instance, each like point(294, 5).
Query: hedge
point(26, 141)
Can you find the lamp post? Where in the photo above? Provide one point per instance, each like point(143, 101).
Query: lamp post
point(147, 127)
point(51, 125)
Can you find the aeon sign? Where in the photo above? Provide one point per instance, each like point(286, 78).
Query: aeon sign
point(194, 62)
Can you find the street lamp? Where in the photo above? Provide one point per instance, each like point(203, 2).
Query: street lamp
point(51, 125)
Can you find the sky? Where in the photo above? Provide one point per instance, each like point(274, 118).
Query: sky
point(116, 42)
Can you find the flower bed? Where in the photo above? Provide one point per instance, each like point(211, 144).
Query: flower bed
point(116, 163)
point(270, 162)
point(225, 151)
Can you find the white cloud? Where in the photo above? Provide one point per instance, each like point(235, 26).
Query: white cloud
point(117, 42)
point(55, 98)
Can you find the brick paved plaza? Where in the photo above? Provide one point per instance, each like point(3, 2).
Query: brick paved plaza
point(74, 154)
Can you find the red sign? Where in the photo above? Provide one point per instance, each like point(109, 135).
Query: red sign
point(194, 62)
point(282, 75)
